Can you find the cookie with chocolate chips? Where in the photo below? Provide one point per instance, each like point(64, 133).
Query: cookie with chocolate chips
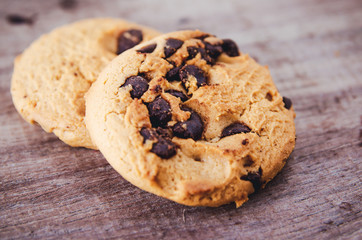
point(190, 118)
point(51, 76)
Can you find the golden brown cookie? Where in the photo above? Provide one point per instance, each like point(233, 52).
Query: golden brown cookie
point(187, 117)
point(51, 77)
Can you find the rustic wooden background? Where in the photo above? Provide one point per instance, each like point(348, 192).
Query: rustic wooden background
point(314, 50)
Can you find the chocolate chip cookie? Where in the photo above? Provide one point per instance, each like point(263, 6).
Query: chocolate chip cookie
point(188, 117)
point(51, 77)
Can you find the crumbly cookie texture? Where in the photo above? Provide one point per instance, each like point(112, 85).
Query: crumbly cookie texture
point(187, 117)
point(51, 77)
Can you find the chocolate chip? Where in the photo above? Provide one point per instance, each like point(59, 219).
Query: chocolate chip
point(139, 86)
point(192, 71)
point(128, 39)
point(269, 97)
point(193, 51)
point(164, 148)
point(287, 103)
point(235, 128)
point(171, 46)
point(230, 48)
point(192, 128)
point(245, 141)
point(213, 51)
point(173, 74)
point(254, 178)
point(157, 89)
point(160, 112)
point(205, 56)
point(148, 49)
point(164, 132)
point(178, 94)
point(154, 134)
point(148, 134)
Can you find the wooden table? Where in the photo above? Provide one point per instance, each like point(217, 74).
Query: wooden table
point(314, 50)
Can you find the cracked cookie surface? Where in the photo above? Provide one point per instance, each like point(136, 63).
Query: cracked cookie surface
point(51, 77)
point(188, 117)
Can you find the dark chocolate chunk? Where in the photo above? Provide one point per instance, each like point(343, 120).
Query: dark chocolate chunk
point(235, 128)
point(160, 112)
point(230, 48)
point(148, 134)
point(192, 128)
point(193, 51)
point(206, 57)
point(178, 94)
point(139, 86)
point(192, 70)
point(128, 39)
point(269, 97)
point(173, 74)
point(157, 89)
point(245, 141)
point(213, 51)
point(164, 148)
point(287, 103)
point(164, 132)
point(254, 178)
point(171, 46)
point(148, 49)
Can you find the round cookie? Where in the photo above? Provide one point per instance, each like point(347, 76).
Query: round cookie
point(187, 117)
point(51, 77)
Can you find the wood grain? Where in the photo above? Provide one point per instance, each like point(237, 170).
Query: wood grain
point(49, 190)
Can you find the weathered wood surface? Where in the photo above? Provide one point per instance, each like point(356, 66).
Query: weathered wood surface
point(314, 50)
